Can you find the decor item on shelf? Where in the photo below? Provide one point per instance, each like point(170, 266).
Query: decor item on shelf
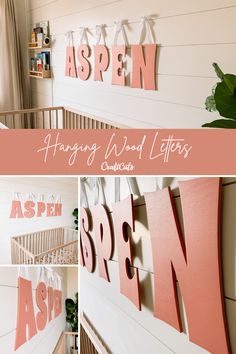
point(75, 214)
point(46, 42)
point(72, 319)
point(223, 100)
point(40, 65)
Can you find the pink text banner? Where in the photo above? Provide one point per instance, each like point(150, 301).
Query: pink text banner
point(120, 152)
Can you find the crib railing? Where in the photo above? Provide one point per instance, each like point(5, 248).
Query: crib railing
point(53, 246)
point(90, 342)
point(35, 118)
point(53, 118)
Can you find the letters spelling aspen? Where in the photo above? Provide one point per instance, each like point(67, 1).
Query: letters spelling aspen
point(30, 209)
point(143, 57)
point(194, 260)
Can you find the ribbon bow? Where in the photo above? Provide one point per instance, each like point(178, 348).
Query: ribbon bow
point(146, 26)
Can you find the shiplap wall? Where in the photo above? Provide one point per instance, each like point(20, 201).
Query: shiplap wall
point(191, 35)
point(66, 187)
point(123, 328)
point(45, 341)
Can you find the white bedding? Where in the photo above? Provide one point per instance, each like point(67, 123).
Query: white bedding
point(2, 126)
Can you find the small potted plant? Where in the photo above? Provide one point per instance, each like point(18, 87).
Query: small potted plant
point(72, 319)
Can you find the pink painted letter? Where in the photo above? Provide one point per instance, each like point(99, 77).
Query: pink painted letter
point(84, 69)
point(193, 261)
point(70, 62)
point(129, 278)
point(101, 61)
point(144, 65)
point(118, 75)
point(104, 241)
point(87, 249)
point(25, 313)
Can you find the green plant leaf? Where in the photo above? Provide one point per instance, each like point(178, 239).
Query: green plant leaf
point(75, 212)
point(210, 104)
point(221, 123)
point(218, 71)
point(225, 97)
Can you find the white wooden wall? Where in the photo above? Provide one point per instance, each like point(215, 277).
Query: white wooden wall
point(45, 341)
point(122, 327)
point(66, 187)
point(191, 35)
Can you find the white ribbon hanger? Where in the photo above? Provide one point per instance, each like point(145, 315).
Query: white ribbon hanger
point(32, 197)
point(23, 272)
point(83, 192)
point(40, 197)
point(16, 196)
point(163, 182)
point(83, 35)
point(132, 184)
point(42, 276)
point(51, 198)
point(146, 29)
point(119, 28)
point(97, 186)
point(58, 199)
point(100, 34)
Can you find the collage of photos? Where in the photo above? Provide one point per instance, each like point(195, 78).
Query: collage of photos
point(39, 290)
point(114, 236)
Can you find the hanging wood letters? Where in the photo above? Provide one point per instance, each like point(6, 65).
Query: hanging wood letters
point(194, 260)
point(30, 209)
point(27, 323)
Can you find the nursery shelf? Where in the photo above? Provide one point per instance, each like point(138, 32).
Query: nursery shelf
point(40, 75)
point(34, 46)
point(40, 48)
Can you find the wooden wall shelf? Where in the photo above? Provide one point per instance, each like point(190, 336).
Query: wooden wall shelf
point(45, 74)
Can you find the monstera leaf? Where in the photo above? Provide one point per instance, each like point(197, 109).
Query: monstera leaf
point(223, 100)
point(221, 123)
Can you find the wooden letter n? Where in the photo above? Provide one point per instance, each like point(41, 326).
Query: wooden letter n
point(193, 260)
